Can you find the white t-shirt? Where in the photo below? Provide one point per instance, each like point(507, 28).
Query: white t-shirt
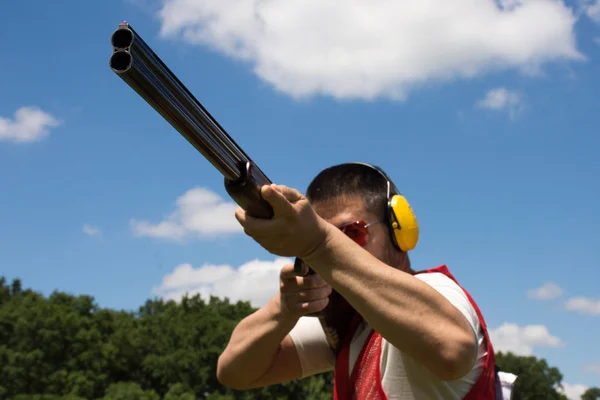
point(402, 377)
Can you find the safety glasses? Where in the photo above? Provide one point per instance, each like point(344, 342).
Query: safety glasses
point(358, 231)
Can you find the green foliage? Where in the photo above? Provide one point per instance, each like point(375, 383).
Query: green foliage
point(64, 347)
point(129, 391)
point(591, 394)
point(178, 391)
point(536, 379)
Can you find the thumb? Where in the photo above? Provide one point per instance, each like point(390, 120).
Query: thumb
point(273, 195)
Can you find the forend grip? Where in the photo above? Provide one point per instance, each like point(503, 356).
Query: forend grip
point(245, 191)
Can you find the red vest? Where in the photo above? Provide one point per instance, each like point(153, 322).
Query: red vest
point(365, 382)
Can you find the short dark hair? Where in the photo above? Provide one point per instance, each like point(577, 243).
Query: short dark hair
point(352, 179)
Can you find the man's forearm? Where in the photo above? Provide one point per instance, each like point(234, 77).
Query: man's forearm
point(253, 346)
point(407, 312)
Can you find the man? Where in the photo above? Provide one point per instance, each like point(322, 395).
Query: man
point(411, 336)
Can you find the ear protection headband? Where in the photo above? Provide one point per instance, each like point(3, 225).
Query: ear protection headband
point(400, 217)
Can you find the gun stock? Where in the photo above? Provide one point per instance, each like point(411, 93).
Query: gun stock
point(137, 64)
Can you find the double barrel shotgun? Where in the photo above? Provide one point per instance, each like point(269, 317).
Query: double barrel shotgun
point(137, 64)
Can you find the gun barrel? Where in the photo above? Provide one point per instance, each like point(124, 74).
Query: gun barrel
point(135, 62)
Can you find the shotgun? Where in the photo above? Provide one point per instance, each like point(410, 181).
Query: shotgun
point(137, 64)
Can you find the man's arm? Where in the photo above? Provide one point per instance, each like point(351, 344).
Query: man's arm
point(406, 311)
point(260, 351)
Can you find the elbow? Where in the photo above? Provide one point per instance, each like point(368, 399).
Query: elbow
point(458, 358)
point(222, 376)
point(452, 369)
point(227, 378)
point(227, 381)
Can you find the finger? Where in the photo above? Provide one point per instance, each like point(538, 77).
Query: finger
point(277, 200)
point(313, 306)
point(298, 283)
point(302, 296)
point(240, 215)
point(276, 187)
point(287, 272)
point(258, 227)
point(291, 194)
point(314, 294)
point(311, 282)
point(246, 221)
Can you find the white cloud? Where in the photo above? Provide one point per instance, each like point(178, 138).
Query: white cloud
point(548, 291)
point(593, 368)
point(521, 340)
point(358, 49)
point(583, 305)
point(91, 230)
point(593, 11)
point(199, 213)
point(502, 99)
point(29, 124)
point(573, 392)
point(255, 281)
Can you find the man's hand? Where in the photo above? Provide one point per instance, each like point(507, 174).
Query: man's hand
point(295, 230)
point(301, 295)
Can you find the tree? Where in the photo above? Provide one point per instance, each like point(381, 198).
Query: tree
point(64, 347)
point(591, 394)
point(536, 379)
point(129, 391)
point(179, 392)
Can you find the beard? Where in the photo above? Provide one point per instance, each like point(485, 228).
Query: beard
point(336, 319)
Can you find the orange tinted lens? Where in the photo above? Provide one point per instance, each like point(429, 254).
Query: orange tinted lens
point(357, 232)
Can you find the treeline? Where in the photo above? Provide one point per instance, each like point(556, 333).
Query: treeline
point(64, 347)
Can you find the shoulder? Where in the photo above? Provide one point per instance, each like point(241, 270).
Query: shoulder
point(436, 278)
point(311, 344)
point(399, 370)
point(455, 294)
point(307, 332)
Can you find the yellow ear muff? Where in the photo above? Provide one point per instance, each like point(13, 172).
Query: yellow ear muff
point(404, 223)
point(402, 220)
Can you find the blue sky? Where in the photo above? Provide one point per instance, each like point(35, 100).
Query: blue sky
point(483, 117)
